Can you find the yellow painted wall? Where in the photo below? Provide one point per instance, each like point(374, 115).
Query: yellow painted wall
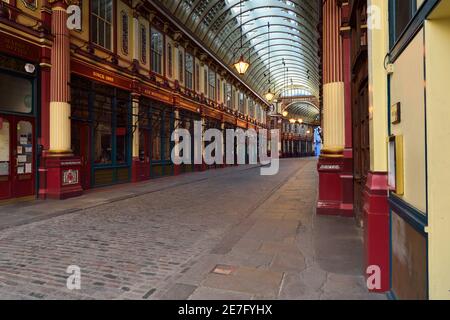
point(438, 130)
point(378, 46)
point(407, 87)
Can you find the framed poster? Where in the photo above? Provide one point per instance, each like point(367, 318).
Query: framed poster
point(395, 164)
point(391, 164)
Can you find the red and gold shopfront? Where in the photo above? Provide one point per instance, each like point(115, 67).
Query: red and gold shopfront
point(19, 71)
point(101, 125)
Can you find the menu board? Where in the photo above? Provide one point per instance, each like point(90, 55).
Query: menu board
point(24, 153)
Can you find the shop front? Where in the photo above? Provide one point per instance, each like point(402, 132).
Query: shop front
point(17, 128)
point(228, 125)
point(186, 121)
point(212, 123)
point(101, 132)
point(156, 123)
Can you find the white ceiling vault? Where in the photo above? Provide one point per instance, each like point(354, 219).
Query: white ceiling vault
point(294, 52)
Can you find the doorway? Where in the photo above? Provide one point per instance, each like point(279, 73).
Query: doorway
point(17, 157)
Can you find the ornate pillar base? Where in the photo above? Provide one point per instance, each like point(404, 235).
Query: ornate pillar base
point(335, 184)
point(176, 169)
point(63, 178)
point(376, 226)
point(136, 170)
point(347, 184)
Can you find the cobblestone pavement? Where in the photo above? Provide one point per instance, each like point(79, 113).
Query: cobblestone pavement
point(164, 244)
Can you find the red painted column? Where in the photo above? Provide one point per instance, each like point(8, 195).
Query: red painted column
point(44, 125)
point(376, 226)
point(335, 163)
point(62, 167)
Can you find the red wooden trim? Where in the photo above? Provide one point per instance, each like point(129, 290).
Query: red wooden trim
point(101, 75)
point(19, 48)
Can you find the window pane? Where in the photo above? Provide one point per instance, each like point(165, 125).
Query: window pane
point(102, 8)
point(108, 36)
point(102, 115)
point(403, 10)
point(156, 51)
point(16, 94)
point(108, 10)
point(101, 19)
point(94, 29)
point(95, 6)
point(101, 33)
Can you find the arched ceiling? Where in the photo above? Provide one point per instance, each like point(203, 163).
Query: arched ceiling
point(293, 36)
point(306, 111)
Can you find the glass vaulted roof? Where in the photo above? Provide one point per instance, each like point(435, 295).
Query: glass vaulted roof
point(294, 60)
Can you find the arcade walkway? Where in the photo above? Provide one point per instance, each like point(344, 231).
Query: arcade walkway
point(227, 234)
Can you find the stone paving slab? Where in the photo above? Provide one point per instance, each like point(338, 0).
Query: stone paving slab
point(248, 280)
point(219, 294)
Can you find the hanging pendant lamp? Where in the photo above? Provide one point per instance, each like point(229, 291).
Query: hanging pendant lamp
point(241, 65)
point(269, 95)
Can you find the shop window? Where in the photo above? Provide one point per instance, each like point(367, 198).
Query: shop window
point(16, 93)
point(401, 13)
point(156, 51)
point(189, 69)
point(101, 23)
point(4, 147)
point(125, 29)
point(103, 129)
point(143, 33)
point(110, 115)
point(169, 60)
